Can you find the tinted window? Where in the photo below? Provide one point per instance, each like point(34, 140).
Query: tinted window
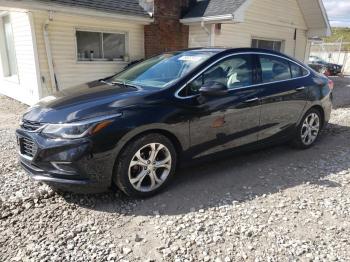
point(304, 71)
point(274, 69)
point(234, 72)
point(296, 70)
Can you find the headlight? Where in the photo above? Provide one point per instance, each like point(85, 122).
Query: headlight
point(79, 129)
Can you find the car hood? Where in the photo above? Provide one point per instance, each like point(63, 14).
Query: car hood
point(84, 101)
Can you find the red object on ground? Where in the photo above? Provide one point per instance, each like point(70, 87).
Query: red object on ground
point(330, 84)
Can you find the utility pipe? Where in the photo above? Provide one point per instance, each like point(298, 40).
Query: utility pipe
point(49, 53)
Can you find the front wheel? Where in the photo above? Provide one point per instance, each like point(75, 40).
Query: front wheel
point(308, 130)
point(145, 166)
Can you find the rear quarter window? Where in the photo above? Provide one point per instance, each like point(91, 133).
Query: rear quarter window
point(297, 70)
point(274, 69)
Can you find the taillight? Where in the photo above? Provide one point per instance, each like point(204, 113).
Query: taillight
point(330, 84)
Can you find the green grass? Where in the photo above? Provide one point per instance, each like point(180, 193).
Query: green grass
point(337, 34)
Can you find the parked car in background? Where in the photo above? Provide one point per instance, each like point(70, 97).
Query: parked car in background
point(134, 128)
point(322, 66)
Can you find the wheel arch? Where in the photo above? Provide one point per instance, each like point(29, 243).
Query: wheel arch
point(168, 134)
point(180, 140)
point(322, 112)
point(179, 147)
point(318, 108)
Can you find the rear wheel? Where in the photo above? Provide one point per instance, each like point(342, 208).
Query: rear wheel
point(145, 166)
point(309, 129)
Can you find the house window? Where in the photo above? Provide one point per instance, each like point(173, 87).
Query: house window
point(99, 46)
point(7, 47)
point(275, 45)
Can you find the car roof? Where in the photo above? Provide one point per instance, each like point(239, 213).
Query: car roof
point(228, 50)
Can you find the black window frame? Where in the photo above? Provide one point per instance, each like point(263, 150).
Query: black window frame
point(257, 72)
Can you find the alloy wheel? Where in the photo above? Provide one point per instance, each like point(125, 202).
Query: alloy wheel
point(150, 167)
point(310, 129)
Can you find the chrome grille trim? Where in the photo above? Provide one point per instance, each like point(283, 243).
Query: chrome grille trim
point(31, 126)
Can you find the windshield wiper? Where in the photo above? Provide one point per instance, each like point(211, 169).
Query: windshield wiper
point(106, 82)
point(120, 83)
point(125, 84)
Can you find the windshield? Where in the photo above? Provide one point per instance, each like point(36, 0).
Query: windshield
point(162, 70)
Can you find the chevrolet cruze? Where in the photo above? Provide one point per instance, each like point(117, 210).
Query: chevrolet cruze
point(133, 129)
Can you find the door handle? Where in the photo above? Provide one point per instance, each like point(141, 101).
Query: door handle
point(255, 99)
point(302, 88)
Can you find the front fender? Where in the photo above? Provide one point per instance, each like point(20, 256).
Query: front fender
point(178, 131)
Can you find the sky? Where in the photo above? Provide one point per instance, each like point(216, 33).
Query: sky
point(338, 12)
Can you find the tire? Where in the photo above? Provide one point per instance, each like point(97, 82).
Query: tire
point(145, 166)
point(309, 129)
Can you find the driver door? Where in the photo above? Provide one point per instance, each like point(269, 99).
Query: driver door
point(229, 120)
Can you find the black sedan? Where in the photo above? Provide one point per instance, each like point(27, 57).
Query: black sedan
point(322, 66)
point(133, 129)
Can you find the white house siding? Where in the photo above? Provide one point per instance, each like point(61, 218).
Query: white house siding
point(198, 37)
point(24, 87)
point(69, 71)
point(266, 19)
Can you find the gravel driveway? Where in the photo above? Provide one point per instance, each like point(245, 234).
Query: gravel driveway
point(276, 204)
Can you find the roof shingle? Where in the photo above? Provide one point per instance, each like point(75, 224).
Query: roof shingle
point(206, 8)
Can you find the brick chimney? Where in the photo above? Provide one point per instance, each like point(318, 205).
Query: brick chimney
point(167, 33)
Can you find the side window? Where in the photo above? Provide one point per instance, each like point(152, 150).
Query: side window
point(274, 69)
point(234, 72)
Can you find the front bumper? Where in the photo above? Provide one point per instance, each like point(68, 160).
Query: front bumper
point(69, 165)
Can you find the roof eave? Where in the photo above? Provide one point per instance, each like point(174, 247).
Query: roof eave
point(328, 28)
point(210, 19)
point(31, 5)
point(321, 29)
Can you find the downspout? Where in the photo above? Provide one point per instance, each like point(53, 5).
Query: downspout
point(49, 53)
point(295, 42)
point(207, 31)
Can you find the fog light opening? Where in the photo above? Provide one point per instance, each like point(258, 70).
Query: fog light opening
point(63, 166)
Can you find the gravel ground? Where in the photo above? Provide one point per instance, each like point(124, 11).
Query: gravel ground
point(276, 204)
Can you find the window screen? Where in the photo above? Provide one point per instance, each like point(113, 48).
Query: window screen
point(100, 46)
point(267, 44)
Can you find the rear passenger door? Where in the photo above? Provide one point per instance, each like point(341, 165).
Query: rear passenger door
point(283, 95)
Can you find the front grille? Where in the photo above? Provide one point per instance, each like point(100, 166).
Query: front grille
point(28, 147)
point(30, 125)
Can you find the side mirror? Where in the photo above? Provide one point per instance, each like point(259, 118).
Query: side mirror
point(213, 88)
